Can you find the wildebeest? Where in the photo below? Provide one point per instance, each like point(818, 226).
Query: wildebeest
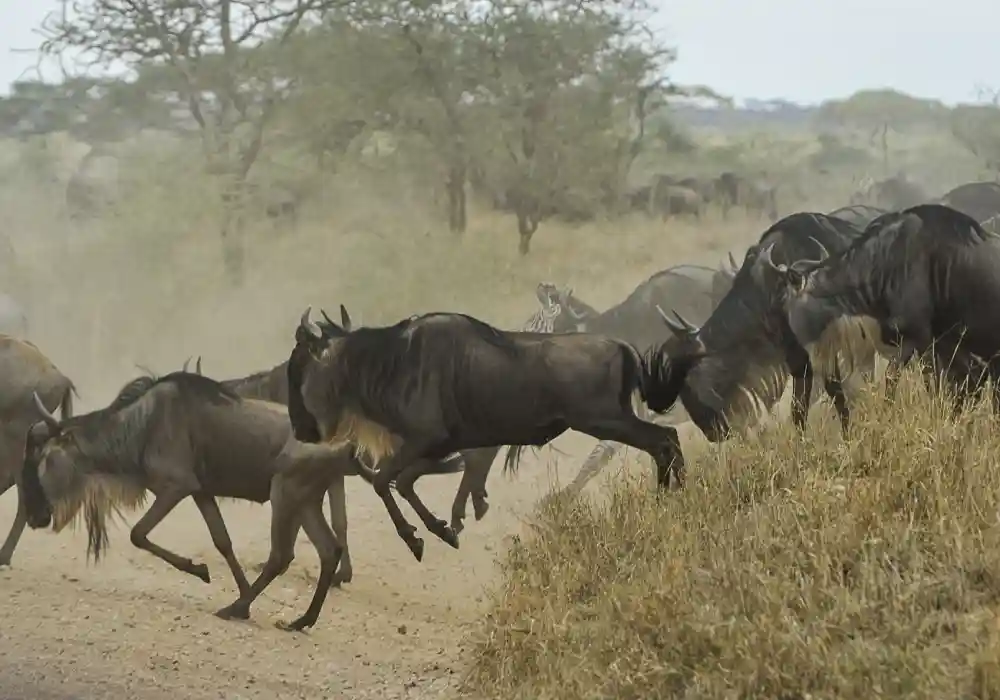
point(858, 214)
point(980, 200)
point(731, 190)
point(440, 382)
point(926, 284)
point(181, 435)
point(892, 194)
point(737, 364)
point(23, 370)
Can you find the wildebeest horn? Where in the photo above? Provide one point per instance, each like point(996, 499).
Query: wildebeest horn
point(823, 252)
point(681, 326)
point(733, 263)
point(197, 365)
point(345, 318)
point(307, 325)
point(766, 257)
point(327, 318)
point(49, 419)
point(184, 367)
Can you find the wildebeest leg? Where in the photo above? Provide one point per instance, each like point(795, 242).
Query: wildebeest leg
point(162, 505)
point(17, 528)
point(337, 495)
point(659, 441)
point(329, 550)
point(286, 517)
point(478, 463)
point(220, 537)
point(405, 481)
point(801, 393)
point(388, 470)
point(834, 386)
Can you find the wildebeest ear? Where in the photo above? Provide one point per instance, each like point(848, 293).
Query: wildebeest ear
point(345, 318)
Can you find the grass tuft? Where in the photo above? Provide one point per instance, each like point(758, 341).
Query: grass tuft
point(791, 567)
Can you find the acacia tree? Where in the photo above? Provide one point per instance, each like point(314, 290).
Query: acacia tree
point(219, 56)
point(573, 84)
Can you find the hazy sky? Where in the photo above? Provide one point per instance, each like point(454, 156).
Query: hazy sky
point(804, 50)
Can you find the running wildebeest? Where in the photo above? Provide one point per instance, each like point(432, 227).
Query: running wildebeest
point(184, 435)
point(441, 382)
point(737, 364)
point(24, 369)
point(980, 200)
point(858, 214)
point(926, 284)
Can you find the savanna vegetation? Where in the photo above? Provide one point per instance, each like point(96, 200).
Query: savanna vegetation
point(400, 156)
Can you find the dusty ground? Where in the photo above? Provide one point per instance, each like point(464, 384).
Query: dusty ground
point(134, 627)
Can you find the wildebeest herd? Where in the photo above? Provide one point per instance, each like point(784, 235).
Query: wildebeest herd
point(817, 296)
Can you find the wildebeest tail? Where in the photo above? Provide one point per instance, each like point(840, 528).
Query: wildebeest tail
point(657, 377)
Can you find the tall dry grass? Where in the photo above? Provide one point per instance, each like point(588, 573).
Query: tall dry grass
point(791, 567)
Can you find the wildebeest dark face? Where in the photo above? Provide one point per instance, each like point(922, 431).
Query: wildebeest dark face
point(311, 341)
point(36, 502)
point(734, 364)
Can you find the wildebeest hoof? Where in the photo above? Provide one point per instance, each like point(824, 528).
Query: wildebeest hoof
point(236, 611)
point(457, 525)
point(340, 578)
point(449, 536)
point(416, 546)
point(481, 508)
point(295, 626)
point(201, 571)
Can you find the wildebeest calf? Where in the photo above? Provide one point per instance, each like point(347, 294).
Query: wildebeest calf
point(433, 384)
point(180, 436)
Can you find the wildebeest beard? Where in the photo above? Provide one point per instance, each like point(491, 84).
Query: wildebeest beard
point(99, 457)
point(741, 372)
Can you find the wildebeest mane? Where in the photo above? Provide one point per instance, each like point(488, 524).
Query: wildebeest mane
point(376, 370)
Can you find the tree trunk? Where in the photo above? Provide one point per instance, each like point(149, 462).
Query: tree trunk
point(232, 232)
point(457, 218)
point(527, 224)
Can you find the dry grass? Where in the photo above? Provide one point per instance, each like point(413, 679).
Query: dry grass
point(791, 567)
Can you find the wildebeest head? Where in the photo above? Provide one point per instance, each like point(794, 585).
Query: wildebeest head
point(56, 478)
point(735, 366)
point(311, 341)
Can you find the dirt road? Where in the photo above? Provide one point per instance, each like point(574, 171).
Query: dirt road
point(134, 627)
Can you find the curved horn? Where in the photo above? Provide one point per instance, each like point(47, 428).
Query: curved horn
point(197, 365)
point(49, 419)
point(345, 319)
point(823, 252)
point(184, 367)
point(732, 262)
point(691, 328)
point(677, 328)
point(766, 257)
point(306, 324)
